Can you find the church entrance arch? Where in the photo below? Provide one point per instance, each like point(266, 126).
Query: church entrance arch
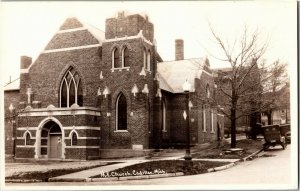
point(50, 138)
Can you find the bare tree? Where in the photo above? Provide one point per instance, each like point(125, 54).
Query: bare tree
point(274, 95)
point(240, 88)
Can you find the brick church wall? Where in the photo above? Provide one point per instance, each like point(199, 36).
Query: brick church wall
point(45, 85)
point(123, 80)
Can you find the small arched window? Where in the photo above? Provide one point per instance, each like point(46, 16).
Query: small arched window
point(116, 60)
point(164, 116)
point(148, 60)
point(121, 113)
point(125, 57)
point(207, 91)
point(74, 139)
point(145, 58)
point(71, 89)
point(27, 138)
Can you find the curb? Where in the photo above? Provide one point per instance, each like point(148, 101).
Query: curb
point(116, 178)
point(234, 163)
point(221, 167)
point(250, 156)
point(22, 181)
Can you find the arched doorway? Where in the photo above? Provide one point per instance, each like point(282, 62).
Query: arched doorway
point(50, 142)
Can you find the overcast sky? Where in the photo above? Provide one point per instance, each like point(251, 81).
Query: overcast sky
point(27, 27)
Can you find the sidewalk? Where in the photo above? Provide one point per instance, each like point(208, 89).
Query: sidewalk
point(85, 174)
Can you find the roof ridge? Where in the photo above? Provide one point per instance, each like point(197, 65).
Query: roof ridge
point(183, 59)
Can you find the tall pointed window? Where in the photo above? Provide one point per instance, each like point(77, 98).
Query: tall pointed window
point(164, 115)
point(121, 113)
point(207, 91)
point(204, 118)
point(71, 89)
point(27, 138)
point(74, 139)
point(148, 60)
point(116, 60)
point(125, 57)
point(145, 58)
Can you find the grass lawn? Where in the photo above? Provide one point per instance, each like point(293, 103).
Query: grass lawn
point(166, 166)
point(45, 175)
point(214, 151)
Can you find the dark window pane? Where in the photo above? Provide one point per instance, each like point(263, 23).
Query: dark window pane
point(117, 64)
point(64, 94)
point(122, 113)
point(145, 59)
point(76, 77)
point(126, 57)
point(72, 94)
point(79, 94)
point(27, 139)
point(74, 139)
point(148, 60)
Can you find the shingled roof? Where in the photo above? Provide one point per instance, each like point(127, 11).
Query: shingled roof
point(172, 74)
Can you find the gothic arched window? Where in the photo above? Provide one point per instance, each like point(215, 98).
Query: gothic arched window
point(145, 58)
point(148, 60)
point(27, 138)
point(164, 116)
point(74, 139)
point(121, 113)
point(207, 91)
point(71, 89)
point(115, 56)
point(125, 57)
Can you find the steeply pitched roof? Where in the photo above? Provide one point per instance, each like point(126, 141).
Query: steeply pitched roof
point(173, 74)
point(14, 85)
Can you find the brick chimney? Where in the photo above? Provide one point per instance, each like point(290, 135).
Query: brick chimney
point(179, 54)
point(25, 62)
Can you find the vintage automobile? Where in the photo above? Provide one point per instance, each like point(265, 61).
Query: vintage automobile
point(273, 136)
point(285, 130)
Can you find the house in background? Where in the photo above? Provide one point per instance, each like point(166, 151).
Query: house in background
point(279, 112)
point(93, 94)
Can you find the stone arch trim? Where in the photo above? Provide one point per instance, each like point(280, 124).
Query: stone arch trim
point(116, 94)
point(125, 44)
point(24, 135)
point(38, 136)
point(62, 74)
point(71, 133)
point(114, 98)
point(115, 45)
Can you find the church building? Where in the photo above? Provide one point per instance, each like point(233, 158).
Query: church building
point(92, 94)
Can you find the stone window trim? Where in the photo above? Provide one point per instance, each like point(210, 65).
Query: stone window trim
point(67, 83)
point(27, 137)
point(121, 117)
point(147, 59)
point(164, 116)
point(63, 73)
point(121, 131)
point(74, 138)
point(124, 58)
point(207, 90)
point(204, 119)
